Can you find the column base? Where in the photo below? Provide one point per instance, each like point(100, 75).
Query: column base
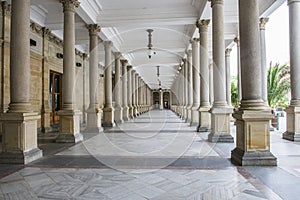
point(130, 110)
point(94, 121)
point(125, 113)
point(220, 125)
point(118, 115)
point(291, 136)
point(135, 112)
point(204, 119)
point(69, 138)
point(220, 138)
point(108, 118)
point(19, 138)
point(24, 157)
point(253, 136)
point(189, 115)
point(240, 157)
point(293, 128)
point(69, 130)
point(195, 115)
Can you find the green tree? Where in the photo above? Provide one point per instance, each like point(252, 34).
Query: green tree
point(278, 85)
point(234, 91)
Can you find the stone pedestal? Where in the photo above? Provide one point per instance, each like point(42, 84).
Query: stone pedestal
point(204, 119)
point(194, 116)
point(19, 138)
point(94, 121)
point(220, 125)
point(108, 117)
point(118, 115)
point(253, 138)
point(69, 126)
point(293, 127)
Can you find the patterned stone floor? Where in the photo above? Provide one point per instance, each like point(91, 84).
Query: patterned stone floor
point(155, 156)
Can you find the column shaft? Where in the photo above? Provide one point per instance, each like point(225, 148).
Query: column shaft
point(228, 76)
point(118, 89)
point(108, 111)
point(124, 90)
point(190, 86)
point(264, 70)
point(252, 117)
point(293, 111)
point(129, 94)
point(94, 114)
point(196, 82)
point(220, 111)
point(69, 118)
point(204, 115)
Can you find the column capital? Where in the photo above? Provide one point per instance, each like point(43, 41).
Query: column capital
point(94, 29)
point(108, 44)
point(214, 2)
point(195, 40)
point(70, 5)
point(202, 25)
point(189, 52)
point(129, 67)
point(293, 1)
point(262, 23)
point(227, 52)
point(124, 62)
point(237, 41)
point(184, 60)
point(84, 56)
point(118, 54)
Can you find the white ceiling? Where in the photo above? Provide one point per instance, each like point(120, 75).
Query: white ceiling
point(125, 23)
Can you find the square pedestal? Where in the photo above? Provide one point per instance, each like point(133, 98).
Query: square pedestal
point(195, 116)
point(118, 115)
point(69, 126)
point(293, 124)
point(220, 125)
point(204, 119)
point(19, 142)
point(253, 138)
point(189, 115)
point(108, 117)
point(126, 114)
point(94, 121)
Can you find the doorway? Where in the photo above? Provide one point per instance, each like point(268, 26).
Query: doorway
point(55, 96)
point(166, 100)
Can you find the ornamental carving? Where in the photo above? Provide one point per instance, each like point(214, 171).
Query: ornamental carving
point(214, 2)
point(262, 23)
point(70, 5)
point(227, 52)
point(94, 29)
point(203, 25)
point(6, 8)
point(124, 62)
point(36, 28)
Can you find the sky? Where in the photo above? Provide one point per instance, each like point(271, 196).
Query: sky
point(277, 39)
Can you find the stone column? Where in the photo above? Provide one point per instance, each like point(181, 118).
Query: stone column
point(190, 86)
point(129, 94)
point(133, 95)
point(264, 67)
point(108, 110)
point(196, 82)
point(118, 89)
point(228, 76)
point(211, 83)
point(141, 95)
point(69, 130)
point(239, 81)
point(185, 88)
point(93, 112)
point(18, 127)
point(204, 115)
point(161, 105)
point(293, 111)
point(252, 117)
point(137, 93)
point(220, 112)
point(124, 90)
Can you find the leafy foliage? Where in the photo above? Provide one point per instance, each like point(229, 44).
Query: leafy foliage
point(234, 91)
point(278, 85)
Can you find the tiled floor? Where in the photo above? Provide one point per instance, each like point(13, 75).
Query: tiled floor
point(155, 156)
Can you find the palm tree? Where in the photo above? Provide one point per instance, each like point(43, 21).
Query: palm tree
point(234, 91)
point(278, 85)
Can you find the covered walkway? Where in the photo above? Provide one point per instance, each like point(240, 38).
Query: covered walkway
point(154, 156)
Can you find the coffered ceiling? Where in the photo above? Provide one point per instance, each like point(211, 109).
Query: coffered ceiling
point(125, 22)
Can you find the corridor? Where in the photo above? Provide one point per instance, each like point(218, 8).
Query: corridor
point(154, 156)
